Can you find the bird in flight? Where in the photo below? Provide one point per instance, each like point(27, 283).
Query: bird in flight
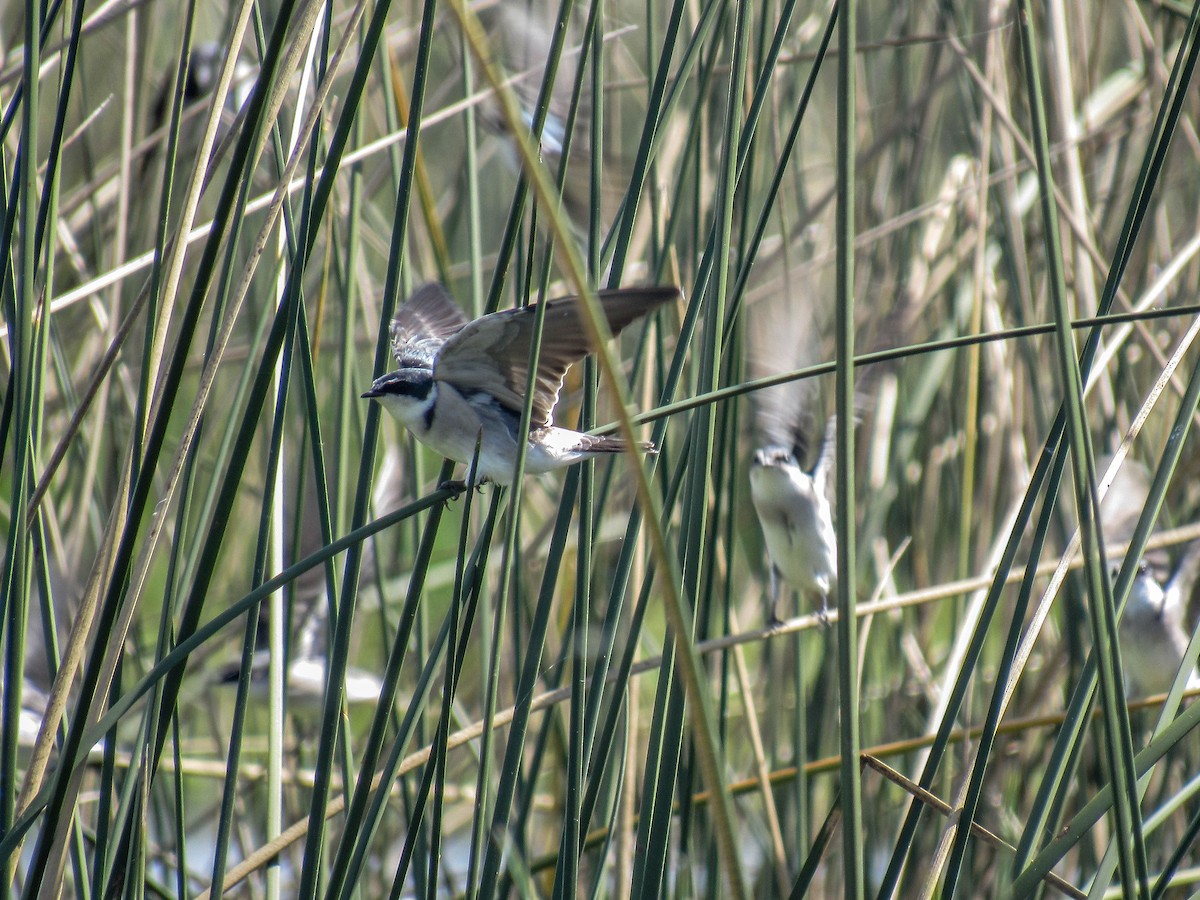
point(797, 520)
point(792, 502)
point(1154, 630)
point(460, 380)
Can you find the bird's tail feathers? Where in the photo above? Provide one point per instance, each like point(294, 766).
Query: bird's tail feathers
point(610, 444)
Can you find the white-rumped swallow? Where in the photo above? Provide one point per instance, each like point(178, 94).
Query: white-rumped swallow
point(204, 65)
point(521, 37)
point(308, 665)
point(308, 671)
point(306, 679)
point(34, 702)
point(523, 40)
point(797, 520)
point(460, 380)
point(792, 501)
point(1152, 630)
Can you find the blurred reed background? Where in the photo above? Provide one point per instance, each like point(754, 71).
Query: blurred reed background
point(210, 212)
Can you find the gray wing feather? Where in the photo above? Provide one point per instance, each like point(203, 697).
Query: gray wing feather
point(423, 323)
point(826, 458)
point(492, 353)
point(784, 336)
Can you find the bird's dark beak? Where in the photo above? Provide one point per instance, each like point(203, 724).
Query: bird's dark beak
point(375, 390)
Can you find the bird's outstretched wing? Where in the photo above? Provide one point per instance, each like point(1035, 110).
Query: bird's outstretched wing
point(492, 353)
point(784, 335)
point(826, 457)
point(422, 323)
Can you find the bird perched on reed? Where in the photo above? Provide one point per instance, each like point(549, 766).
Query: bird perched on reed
point(797, 519)
point(1153, 630)
point(792, 502)
point(307, 669)
point(460, 380)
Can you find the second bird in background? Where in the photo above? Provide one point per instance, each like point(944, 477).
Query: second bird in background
point(1152, 631)
point(797, 520)
point(792, 502)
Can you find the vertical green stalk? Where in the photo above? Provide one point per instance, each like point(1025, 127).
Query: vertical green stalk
point(14, 586)
point(471, 138)
point(233, 759)
point(624, 228)
point(457, 637)
point(1066, 752)
point(580, 617)
point(595, 30)
point(996, 708)
point(703, 523)
point(473, 577)
point(1118, 740)
point(341, 626)
point(361, 819)
point(477, 865)
point(847, 623)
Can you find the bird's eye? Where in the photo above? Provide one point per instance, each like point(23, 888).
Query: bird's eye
point(417, 388)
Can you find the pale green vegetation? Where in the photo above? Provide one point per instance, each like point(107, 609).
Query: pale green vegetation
point(577, 692)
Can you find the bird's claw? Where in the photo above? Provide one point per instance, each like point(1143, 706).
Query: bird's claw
point(457, 487)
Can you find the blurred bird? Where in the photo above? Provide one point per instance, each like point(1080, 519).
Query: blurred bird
point(523, 40)
point(308, 666)
point(34, 702)
point(204, 65)
point(53, 610)
point(521, 36)
point(1152, 632)
point(792, 503)
point(458, 380)
point(308, 596)
point(307, 672)
point(796, 518)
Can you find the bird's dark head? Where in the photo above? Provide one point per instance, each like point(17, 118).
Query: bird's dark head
point(405, 393)
point(774, 457)
point(411, 383)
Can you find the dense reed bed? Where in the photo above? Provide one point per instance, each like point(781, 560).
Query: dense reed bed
point(251, 648)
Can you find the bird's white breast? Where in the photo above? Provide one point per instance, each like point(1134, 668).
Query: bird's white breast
point(458, 420)
point(797, 525)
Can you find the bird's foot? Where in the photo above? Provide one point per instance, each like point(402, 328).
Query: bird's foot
point(775, 594)
point(823, 615)
point(457, 487)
